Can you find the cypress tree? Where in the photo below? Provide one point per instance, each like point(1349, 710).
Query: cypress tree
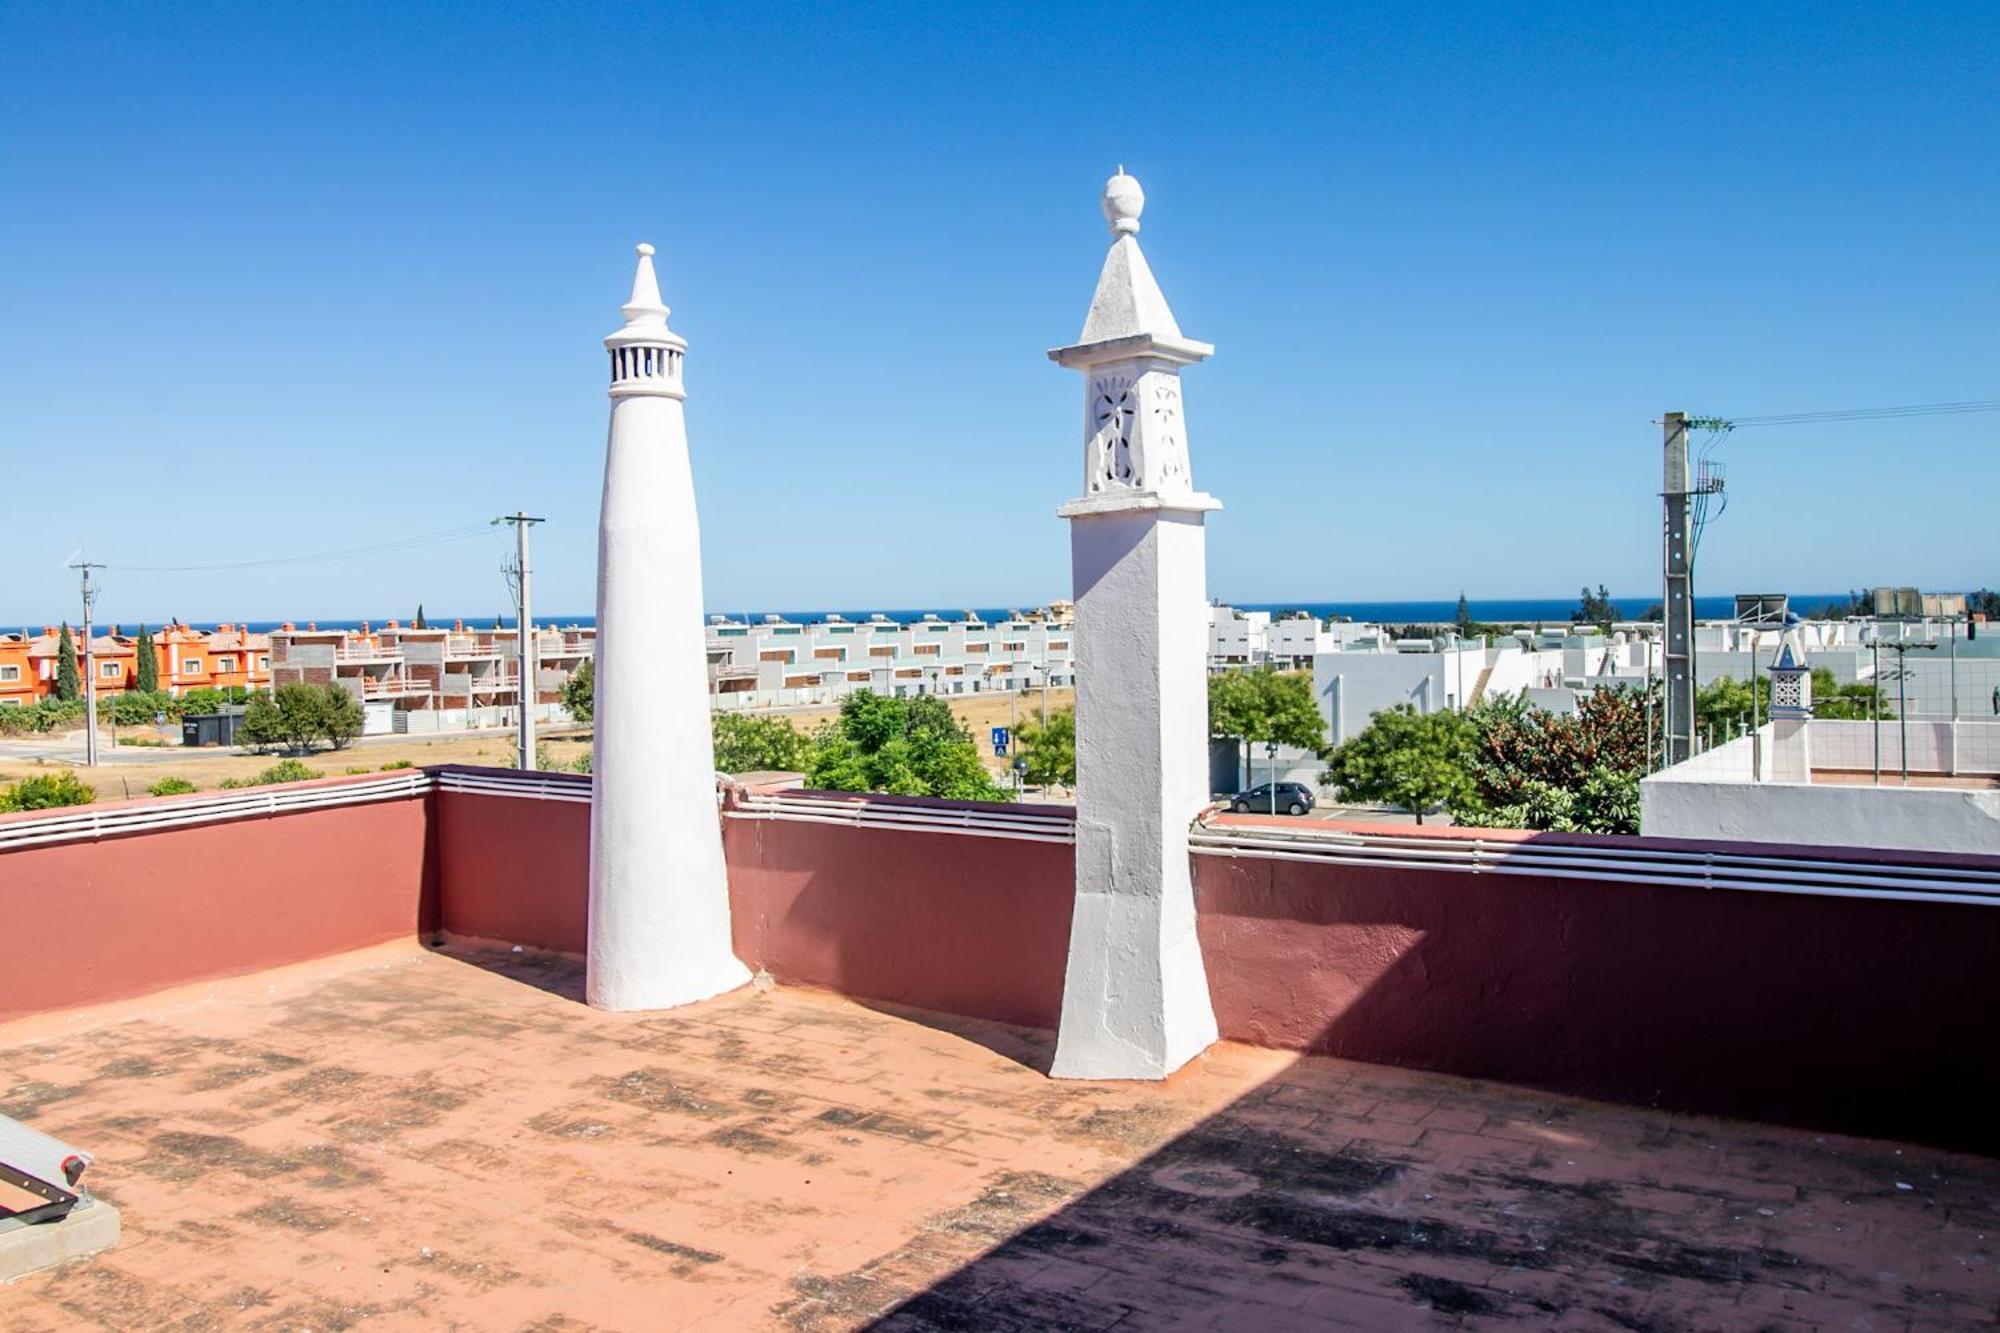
point(69, 685)
point(149, 663)
point(420, 618)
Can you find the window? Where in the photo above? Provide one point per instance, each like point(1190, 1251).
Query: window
point(977, 647)
point(263, 664)
point(925, 650)
point(735, 633)
point(1059, 645)
point(225, 664)
point(776, 655)
point(10, 672)
point(111, 669)
point(190, 665)
point(10, 703)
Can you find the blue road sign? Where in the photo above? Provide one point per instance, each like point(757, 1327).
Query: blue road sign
point(1000, 740)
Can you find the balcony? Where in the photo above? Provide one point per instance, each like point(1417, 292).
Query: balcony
point(1397, 1131)
point(367, 653)
point(459, 647)
point(393, 687)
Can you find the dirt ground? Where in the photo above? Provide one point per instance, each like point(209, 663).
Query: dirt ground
point(130, 770)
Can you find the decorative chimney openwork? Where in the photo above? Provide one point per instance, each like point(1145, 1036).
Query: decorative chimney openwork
point(1131, 354)
point(641, 362)
point(646, 355)
point(1133, 417)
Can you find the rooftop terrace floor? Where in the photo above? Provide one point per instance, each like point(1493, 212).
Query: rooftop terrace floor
point(399, 1139)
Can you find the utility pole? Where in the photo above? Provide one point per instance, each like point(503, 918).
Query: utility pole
point(89, 666)
point(524, 687)
point(1677, 742)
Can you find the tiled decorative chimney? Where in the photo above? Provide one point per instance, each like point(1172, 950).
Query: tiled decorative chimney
point(1135, 994)
point(659, 899)
point(1791, 714)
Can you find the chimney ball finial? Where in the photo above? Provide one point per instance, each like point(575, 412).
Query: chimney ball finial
point(645, 250)
point(1123, 202)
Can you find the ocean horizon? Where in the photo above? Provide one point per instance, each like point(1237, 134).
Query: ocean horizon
point(1523, 610)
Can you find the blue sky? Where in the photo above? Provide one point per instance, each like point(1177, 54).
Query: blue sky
point(289, 279)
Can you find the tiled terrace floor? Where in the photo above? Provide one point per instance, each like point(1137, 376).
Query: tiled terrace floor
point(414, 1140)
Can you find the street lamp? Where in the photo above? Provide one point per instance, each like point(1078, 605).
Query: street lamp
point(1271, 758)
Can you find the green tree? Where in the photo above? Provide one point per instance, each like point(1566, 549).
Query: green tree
point(745, 744)
point(1464, 618)
point(1049, 751)
point(420, 622)
point(1263, 706)
point(1595, 608)
point(913, 747)
point(148, 681)
point(46, 793)
point(579, 691)
point(68, 683)
point(299, 717)
point(1532, 768)
point(1418, 761)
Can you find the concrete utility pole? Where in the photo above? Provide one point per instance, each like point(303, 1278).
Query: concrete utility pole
point(1677, 661)
point(524, 688)
point(89, 666)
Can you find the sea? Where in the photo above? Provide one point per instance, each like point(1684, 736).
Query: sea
point(1506, 611)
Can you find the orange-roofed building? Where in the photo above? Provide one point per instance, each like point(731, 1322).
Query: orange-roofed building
point(17, 671)
point(237, 658)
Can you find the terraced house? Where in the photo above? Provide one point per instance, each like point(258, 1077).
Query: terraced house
point(775, 662)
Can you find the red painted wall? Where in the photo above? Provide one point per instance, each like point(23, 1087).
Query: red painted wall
point(966, 925)
point(1872, 1017)
point(514, 869)
point(89, 922)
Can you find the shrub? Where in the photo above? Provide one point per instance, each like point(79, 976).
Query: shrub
point(752, 744)
point(138, 708)
point(171, 787)
point(400, 763)
point(582, 764)
point(285, 770)
point(46, 793)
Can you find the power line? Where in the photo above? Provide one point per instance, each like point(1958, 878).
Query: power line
point(410, 543)
point(1863, 414)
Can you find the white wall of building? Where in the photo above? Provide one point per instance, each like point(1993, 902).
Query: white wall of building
point(1714, 794)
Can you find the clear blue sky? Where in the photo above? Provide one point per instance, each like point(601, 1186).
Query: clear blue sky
point(279, 279)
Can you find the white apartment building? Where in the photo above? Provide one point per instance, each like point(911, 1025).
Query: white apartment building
point(776, 662)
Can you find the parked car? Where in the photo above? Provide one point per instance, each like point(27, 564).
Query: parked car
point(1292, 798)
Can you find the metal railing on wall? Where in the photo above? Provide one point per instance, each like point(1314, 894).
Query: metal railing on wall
point(81, 823)
point(1029, 823)
point(1620, 862)
point(1626, 861)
